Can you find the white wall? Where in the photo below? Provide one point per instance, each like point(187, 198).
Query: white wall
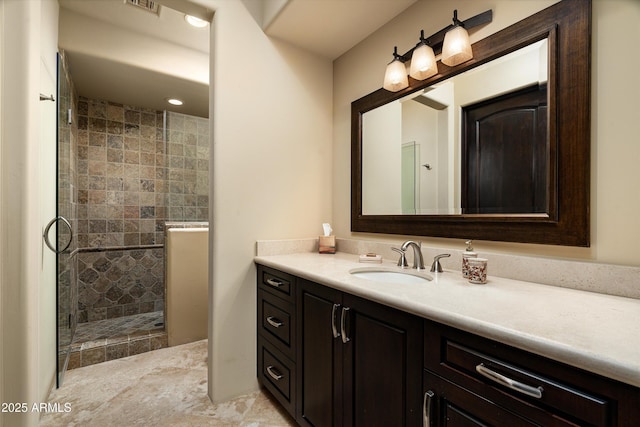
point(418, 124)
point(271, 174)
point(47, 328)
point(614, 148)
point(615, 151)
point(3, 249)
point(382, 133)
point(28, 302)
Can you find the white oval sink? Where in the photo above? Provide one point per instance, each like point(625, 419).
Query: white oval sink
point(380, 274)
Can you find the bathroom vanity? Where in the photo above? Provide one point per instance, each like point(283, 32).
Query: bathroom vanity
point(336, 349)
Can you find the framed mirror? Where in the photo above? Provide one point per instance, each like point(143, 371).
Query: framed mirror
point(497, 148)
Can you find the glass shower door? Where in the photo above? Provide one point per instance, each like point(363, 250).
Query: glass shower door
point(66, 214)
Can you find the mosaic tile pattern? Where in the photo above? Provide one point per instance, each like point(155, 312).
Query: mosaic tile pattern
point(117, 283)
point(104, 340)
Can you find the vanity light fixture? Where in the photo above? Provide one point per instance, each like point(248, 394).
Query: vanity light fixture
point(195, 22)
point(174, 101)
point(456, 47)
point(452, 41)
point(395, 78)
point(423, 61)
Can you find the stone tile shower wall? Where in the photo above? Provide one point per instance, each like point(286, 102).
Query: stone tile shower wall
point(121, 175)
point(134, 172)
point(188, 168)
point(117, 283)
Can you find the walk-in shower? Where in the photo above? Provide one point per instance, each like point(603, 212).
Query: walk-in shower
point(128, 170)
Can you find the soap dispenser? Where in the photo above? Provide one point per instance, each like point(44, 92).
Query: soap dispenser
point(468, 253)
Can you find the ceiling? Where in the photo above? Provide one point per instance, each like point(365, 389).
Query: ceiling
point(112, 47)
point(331, 27)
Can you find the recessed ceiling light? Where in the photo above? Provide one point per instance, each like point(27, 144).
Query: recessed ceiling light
point(196, 22)
point(174, 101)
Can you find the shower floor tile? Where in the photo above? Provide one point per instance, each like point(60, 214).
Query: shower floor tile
point(104, 340)
point(118, 328)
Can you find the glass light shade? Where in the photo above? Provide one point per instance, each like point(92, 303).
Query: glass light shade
point(456, 48)
point(196, 22)
point(423, 63)
point(395, 77)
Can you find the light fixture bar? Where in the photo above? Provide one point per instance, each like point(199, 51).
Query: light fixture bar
point(436, 39)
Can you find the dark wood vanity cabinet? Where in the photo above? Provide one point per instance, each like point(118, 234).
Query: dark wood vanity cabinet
point(333, 359)
point(277, 335)
point(359, 361)
point(469, 381)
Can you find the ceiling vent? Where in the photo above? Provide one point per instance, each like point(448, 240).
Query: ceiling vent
point(148, 5)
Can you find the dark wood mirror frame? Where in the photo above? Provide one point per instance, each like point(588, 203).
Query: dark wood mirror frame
point(567, 26)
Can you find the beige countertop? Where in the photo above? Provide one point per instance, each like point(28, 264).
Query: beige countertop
point(596, 332)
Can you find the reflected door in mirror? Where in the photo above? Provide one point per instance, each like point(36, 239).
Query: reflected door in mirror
point(505, 155)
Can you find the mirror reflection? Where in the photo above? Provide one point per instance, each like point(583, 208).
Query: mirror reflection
point(476, 143)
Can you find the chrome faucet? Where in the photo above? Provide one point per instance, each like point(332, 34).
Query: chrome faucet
point(418, 261)
point(436, 267)
point(402, 262)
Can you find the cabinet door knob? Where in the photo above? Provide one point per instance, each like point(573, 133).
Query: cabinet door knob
point(343, 321)
point(334, 327)
point(426, 408)
point(508, 382)
point(276, 323)
point(273, 373)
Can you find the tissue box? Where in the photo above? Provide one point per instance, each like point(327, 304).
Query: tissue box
point(327, 244)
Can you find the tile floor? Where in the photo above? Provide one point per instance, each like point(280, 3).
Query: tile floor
point(166, 387)
point(119, 326)
point(103, 340)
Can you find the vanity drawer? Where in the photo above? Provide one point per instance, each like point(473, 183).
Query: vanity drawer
point(276, 322)
point(277, 374)
point(516, 379)
point(276, 282)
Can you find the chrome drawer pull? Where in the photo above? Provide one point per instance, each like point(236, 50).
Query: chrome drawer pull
point(276, 323)
point(426, 408)
point(334, 327)
point(274, 283)
point(508, 382)
point(273, 373)
point(343, 321)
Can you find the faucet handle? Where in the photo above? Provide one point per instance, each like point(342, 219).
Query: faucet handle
point(402, 262)
point(436, 267)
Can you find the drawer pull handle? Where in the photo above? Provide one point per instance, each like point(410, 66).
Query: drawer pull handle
point(426, 408)
point(274, 283)
point(273, 373)
point(343, 321)
point(276, 323)
point(334, 327)
point(508, 382)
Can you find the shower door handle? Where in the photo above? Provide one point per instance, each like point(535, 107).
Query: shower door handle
point(45, 235)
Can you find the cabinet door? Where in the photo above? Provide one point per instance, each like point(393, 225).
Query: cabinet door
point(319, 399)
point(382, 365)
point(449, 405)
